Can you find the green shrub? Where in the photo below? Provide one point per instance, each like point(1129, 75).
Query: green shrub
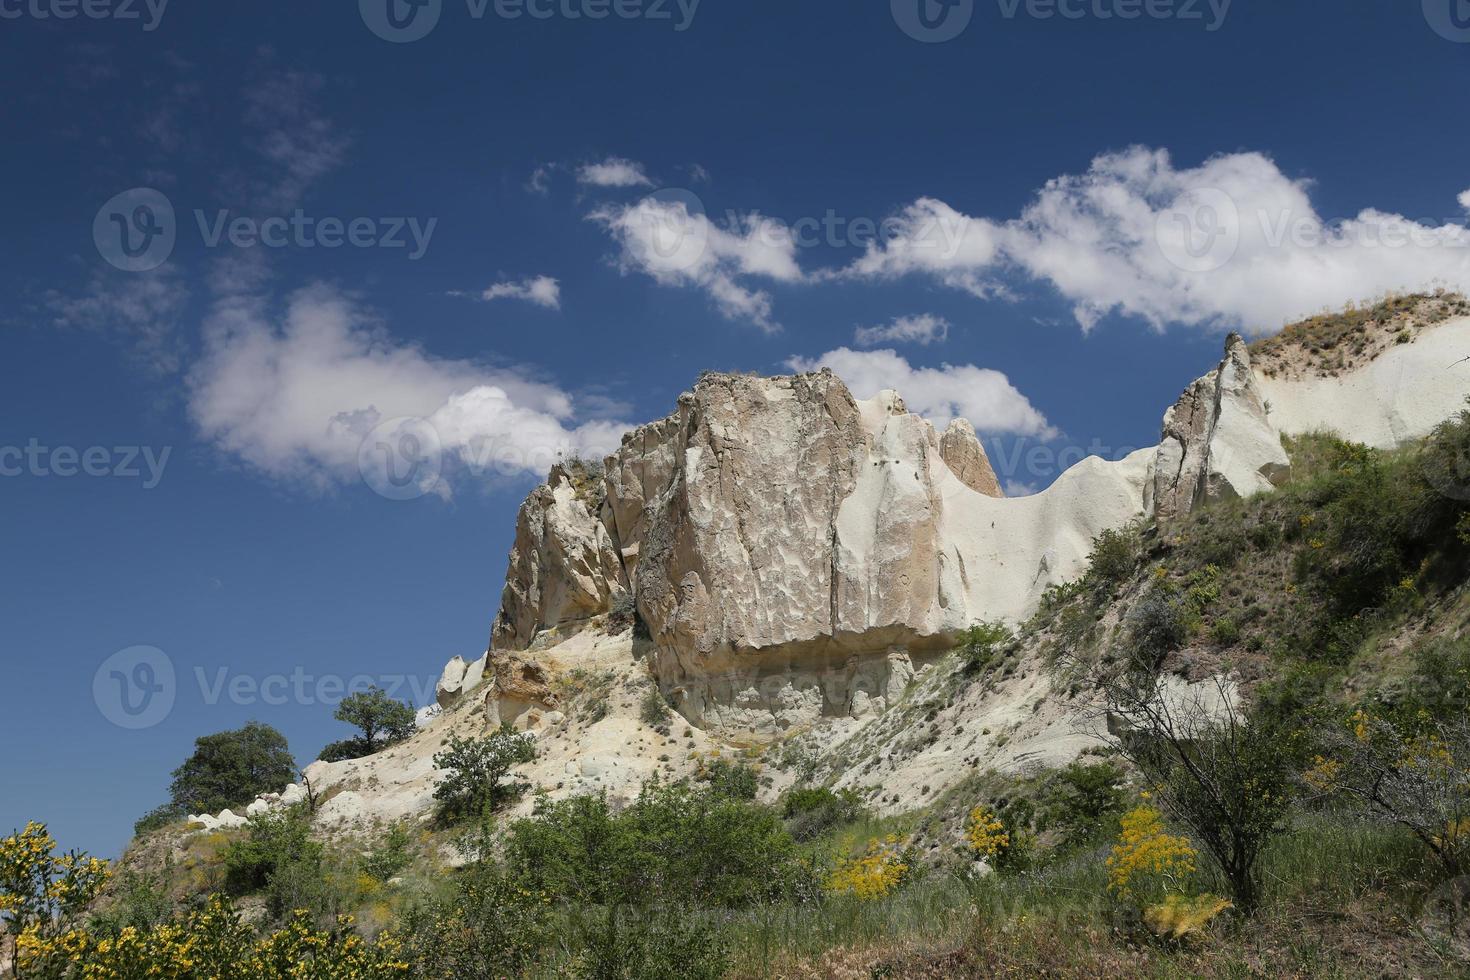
point(656, 944)
point(676, 843)
point(486, 928)
point(982, 644)
point(1157, 626)
point(810, 813)
point(475, 768)
point(279, 858)
point(158, 818)
point(392, 855)
point(1115, 556)
point(654, 710)
point(1082, 801)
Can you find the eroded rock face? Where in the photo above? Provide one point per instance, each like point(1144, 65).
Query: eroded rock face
point(1218, 440)
point(563, 566)
point(795, 552)
point(520, 688)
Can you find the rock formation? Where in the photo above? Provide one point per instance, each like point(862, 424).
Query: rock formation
point(1218, 440)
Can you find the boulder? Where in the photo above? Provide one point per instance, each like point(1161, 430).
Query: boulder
point(1218, 440)
point(457, 680)
point(520, 690)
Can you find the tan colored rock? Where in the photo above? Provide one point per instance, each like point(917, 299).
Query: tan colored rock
point(457, 680)
point(520, 690)
point(964, 455)
point(1218, 440)
point(563, 566)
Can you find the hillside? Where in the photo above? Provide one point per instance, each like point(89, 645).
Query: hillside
point(786, 687)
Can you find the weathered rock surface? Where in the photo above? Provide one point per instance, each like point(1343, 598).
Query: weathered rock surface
point(563, 566)
point(457, 680)
point(520, 690)
point(1218, 440)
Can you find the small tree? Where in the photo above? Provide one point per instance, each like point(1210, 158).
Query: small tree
point(1227, 779)
point(231, 768)
point(476, 767)
point(383, 720)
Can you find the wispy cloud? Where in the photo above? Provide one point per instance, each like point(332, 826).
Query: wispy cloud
point(614, 172)
point(923, 329)
point(538, 290)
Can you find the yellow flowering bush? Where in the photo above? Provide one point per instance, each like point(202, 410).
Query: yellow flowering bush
point(1147, 858)
point(878, 872)
point(42, 892)
point(1178, 917)
point(986, 833)
point(212, 942)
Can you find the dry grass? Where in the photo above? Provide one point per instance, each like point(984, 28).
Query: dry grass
point(1331, 343)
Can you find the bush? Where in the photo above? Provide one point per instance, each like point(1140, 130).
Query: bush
point(475, 769)
point(661, 944)
point(734, 780)
point(232, 768)
point(280, 858)
point(676, 843)
point(158, 818)
point(810, 813)
point(982, 643)
point(1228, 779)
point(392, 855)
point(1157, 626)
point(1083, 799)
point(1115, 556)
point(486, 928)
point(654, 711)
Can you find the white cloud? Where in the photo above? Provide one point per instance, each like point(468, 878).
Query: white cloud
point(614, 172)
point(984, 396)
point(1464, 200)
point(923, 329)
point(295, 398)
point(290, 131)
point(140, 310)
point(678, 245)
point(1019, 488)
point(1233, 242)
point(540, 290)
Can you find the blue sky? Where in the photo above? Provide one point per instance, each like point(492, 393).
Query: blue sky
point(604, 209)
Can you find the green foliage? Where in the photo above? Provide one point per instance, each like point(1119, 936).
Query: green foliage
point(485, 928)
point(657, 944)
point(278, 857)
point(158, 818)
point(1115, 556)
point(232, 768)
point(382, 720)
point(982, 644)
point(392, 854)
point(1157, 625)
point(676, 843)
point(654, 710)
point(475, 769)
point(1082, 801)
point(810, 813)
point(730, 779)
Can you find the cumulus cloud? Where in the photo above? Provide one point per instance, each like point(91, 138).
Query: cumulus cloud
point(1233, 242)
point(923, 329)
point(1464, 200)
point(613, 172)
point(984, 396)
point(296, 394)
point(674, 242)
point(540, 290)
